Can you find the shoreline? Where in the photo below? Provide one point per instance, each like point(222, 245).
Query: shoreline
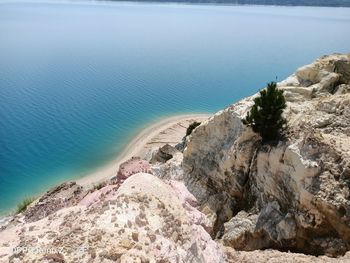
point(139, 145)
point(170, 128)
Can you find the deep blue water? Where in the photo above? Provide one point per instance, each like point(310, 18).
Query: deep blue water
point(77, 81)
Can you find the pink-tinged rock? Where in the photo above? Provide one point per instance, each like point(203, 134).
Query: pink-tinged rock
point(132, 166)
point(142, 221)
point(189, 202)
point(182, 193)
point(97, 195)
point(174, 234)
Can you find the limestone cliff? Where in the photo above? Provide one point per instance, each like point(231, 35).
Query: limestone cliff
point(292, 196)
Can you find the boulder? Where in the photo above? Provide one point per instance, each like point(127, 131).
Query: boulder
point(163, 154)
point(132, 166)
point(239, 231)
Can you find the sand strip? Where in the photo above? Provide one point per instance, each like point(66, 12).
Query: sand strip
point(169, 130)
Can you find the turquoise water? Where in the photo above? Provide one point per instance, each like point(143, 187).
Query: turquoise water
point(77, 81)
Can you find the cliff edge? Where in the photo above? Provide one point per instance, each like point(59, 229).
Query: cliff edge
point(290, 196)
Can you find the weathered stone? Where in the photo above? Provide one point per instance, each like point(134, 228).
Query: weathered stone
point(132, 166)
point(239, 230)
point(64, 195)
point(167, 207)
point(164, 154)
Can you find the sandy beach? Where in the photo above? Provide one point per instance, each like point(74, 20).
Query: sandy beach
point(168, 130)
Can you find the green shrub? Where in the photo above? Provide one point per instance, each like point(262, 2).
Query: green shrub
point(22, 206)
point(191, 127)
point(98, 186)
point(265, 117)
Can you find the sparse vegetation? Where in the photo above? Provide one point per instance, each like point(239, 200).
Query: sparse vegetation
point(191, 127)
point(265, 117)
point(98, 186)
point(22, 206)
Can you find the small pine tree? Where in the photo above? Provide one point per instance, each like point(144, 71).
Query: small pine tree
point(265, 117)
point(191, 127)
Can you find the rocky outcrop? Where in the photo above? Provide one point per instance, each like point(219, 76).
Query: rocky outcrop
point(64, 195)
point(296, 192)
point(217, 163)
point(164, 154)
point(145, 220)
point(239, 231)
point(132, 166)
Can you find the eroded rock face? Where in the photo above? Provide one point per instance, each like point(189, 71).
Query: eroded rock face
point(164, 154)
point(217, 161)
point(238, 231)
point(299, 189)
point(64, 195)
point(172, 169)
point(132, 166)
point(145, 220)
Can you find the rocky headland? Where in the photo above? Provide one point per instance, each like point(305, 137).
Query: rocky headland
point(219, 195)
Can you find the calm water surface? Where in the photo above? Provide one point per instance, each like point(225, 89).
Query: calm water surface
point(78, 80)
